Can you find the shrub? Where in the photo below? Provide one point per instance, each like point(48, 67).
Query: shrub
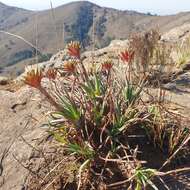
point(97, 109)
point(44, 57)
point(20, 56)
point(152, 57)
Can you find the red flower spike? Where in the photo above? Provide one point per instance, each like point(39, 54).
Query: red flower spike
point(69, 66)
point(51, 74)
point(33, 77)
point(127, 56)
point(107, 66)
point(74, 49)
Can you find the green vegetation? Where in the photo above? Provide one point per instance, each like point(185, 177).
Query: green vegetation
point(100, 114)
point(100, 26)
point(20, 56)
point(44, 57)
point(79, 30)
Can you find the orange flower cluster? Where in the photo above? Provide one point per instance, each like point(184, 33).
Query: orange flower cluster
point(33, 76)
point(51, 73)
point(70, 66)
point(127, 56)
point(74, 49)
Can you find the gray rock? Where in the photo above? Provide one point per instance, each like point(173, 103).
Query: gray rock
point(181, 84)
point(186, 67)
point(21, 118)
point(177, 33)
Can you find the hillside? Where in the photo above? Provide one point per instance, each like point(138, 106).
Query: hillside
point(51, 29)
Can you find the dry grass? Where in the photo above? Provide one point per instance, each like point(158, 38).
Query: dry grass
point(182, 50)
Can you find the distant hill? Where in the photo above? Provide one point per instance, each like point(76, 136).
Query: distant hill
point(51, 29)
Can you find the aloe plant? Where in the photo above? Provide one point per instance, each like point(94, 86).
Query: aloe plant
point(84, 151)
point(132, 93)
point(69, 110)
point(97, 110)
point(94, 87)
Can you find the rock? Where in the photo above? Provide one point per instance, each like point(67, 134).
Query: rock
point(177, 33)
point(21, 118)
point(112, 51)
point(180, 84)
point(186, 67)
point(4, 80)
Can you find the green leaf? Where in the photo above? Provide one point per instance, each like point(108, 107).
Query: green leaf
point(97, 86)
point(69, 110)
point(94, 87)
point(132, 94)
point(81, 151)
point(143, 176)
point(59, 138)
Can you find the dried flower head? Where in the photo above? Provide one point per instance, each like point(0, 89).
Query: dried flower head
point(107, 65)
point(51, 73)
point(127, 56)
point(74, 49)
point(69, 66)
point(33, 76)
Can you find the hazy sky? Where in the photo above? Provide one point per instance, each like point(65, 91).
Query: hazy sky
point(153, 6)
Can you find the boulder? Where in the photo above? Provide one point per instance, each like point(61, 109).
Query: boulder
point(177, 33)
point(181, 84)
point(22, 115)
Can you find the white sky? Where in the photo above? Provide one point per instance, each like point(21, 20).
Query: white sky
point(153, 6)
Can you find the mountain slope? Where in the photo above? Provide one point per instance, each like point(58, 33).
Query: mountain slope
point(11, 18)
point(51, 29)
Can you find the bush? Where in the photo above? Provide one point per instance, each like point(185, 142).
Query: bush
point(98, 109)
point(79, 30)
point(20, 56)
point(44, 57)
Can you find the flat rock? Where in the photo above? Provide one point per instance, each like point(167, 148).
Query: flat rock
point(177, 33)
point(181, 84)
point(22, 114)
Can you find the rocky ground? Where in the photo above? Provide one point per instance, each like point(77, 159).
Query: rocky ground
point(23, 117)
